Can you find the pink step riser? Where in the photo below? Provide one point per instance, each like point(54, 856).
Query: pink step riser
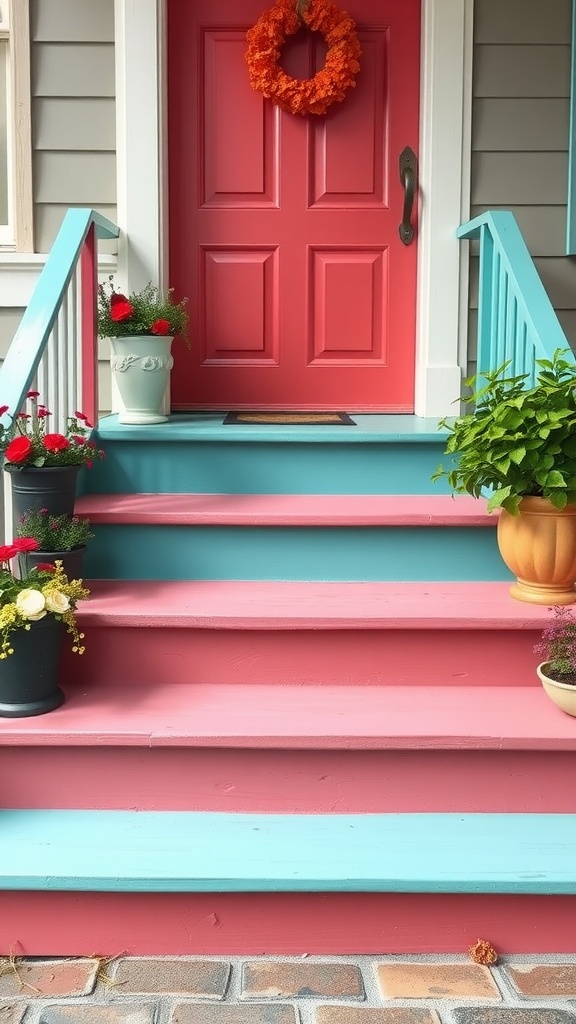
point(151, 656)
point(80, 923)
point(288, 781)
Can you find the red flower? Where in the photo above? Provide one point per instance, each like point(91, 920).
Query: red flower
point(23, 544)
point(33, 394)
point(121, 309)
point(78, 439)
point(117, 297)
point(19, 449)
point(23, 416)
point(83, 417)
point(42, 412)
point(45, 567)
point(161, 327)
point(3, 409)
point(7, 551)
point(89, 464)
point(55, 442)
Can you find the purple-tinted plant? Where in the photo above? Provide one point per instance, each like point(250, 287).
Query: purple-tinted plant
point(558, 645)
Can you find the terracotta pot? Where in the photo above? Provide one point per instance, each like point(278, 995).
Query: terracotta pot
point(539, 546)
point(563, 694)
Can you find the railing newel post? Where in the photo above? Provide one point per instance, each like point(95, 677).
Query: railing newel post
point(89, 326)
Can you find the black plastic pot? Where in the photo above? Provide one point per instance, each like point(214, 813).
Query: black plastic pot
point(49, 487)
point(72, 561)
point(29, 677)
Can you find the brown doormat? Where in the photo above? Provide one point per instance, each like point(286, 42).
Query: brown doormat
point(297, 419)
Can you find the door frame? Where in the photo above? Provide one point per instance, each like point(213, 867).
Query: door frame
point(445, 151)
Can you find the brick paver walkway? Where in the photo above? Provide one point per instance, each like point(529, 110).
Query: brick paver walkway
point(291, 990)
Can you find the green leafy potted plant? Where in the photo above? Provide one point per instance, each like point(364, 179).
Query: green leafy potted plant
point(557, 672)
point(141, 328)
point(518, 447)
point(56, 537)
point(34, 612)
point(43, 465)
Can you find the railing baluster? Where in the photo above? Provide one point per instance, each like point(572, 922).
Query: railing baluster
point(511, 321)
point(62, 365)
point(494, 357)
point(53, 396)
point(73, 382)
point(520, 343)
point(44, 384)
point(485, 306)
point(502, 354)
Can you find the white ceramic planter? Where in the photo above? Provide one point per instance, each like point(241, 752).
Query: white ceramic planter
point(563, 694)
point(141, 366)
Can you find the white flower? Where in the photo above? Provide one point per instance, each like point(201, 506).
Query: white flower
point(57, 602)
point(31, 604)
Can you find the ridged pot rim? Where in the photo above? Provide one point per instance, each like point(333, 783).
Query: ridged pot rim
point(543, 507)
point(543, 677)
point(143, 337)
point(58, 551)
point(11, 467)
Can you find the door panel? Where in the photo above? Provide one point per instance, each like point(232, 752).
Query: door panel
point(284, 229)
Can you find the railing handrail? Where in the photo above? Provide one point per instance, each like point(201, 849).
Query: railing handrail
point(25, 352)
point(533, 301)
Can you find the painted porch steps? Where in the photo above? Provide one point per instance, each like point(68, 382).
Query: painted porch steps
point(302, 749)
point(198, 453)
point(153, 633)
point(357, 874)
point(291, 537)
point(425, 510)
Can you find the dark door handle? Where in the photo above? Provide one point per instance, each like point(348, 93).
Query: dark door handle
point(409, 177)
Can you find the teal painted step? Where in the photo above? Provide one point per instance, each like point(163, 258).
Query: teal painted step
point(362, 553)
point(207, 852)
point(382, 455)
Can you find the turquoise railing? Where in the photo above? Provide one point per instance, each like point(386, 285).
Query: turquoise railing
point(56, 345)
point(516, 320)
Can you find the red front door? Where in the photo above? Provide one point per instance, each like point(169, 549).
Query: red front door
point(284, 229)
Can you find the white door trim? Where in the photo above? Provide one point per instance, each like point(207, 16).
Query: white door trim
point(445, 145)
point(445, 133)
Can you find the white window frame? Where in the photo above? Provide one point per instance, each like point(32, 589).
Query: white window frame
point(446, 111)
point(17, 235)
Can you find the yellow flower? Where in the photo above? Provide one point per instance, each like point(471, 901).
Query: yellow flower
point(8, 615)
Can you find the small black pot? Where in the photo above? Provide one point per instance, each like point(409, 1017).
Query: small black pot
point(29, 677)
point(49, 487)
point(72, 561)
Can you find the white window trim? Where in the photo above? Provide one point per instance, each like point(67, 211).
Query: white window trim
point(15, 25)
point(446, 72)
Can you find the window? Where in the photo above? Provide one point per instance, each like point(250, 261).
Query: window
point(15, 133)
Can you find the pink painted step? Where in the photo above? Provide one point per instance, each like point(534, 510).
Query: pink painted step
point(148, 924)
point(144, 632)
point(293, 749)
point(300, 718)
point(287, 509)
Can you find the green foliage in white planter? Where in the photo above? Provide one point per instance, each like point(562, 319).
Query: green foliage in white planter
point(518, 441)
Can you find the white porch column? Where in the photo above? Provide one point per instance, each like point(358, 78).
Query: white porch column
point(445, 119)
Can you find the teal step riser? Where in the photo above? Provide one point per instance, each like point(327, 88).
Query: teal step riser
point(266, 468)
point(294, 553)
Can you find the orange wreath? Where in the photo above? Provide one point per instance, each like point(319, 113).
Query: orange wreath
point(310, 95)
